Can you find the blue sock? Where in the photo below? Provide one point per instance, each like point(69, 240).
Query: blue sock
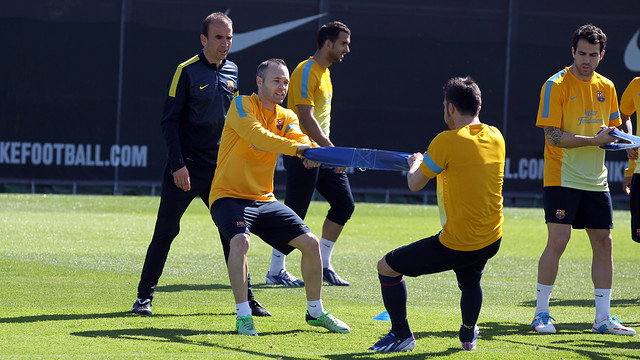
point(394, 296)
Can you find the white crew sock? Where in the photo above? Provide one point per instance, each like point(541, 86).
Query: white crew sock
point(243, 309)
point(603, 304)
point(315, 308)
point(542, 298)
point(326, 247)
point(277, 262)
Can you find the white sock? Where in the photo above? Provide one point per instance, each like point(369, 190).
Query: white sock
point(315, 308)
point(277, 262)
point(603, 304)
point(326, 247)
point(542, 298)
point(243, 309)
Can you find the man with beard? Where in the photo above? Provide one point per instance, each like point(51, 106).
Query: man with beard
point(310, 98)
point(242, 200)
point(578, 108)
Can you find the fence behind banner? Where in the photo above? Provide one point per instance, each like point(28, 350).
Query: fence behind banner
point(84, 82)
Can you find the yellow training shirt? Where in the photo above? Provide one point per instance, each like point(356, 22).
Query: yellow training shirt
point(577, 107)
point(251, 140)
point(311, 85)
point(469, 165)
point(630, 103)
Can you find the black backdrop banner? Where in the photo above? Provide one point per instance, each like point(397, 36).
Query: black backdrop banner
point(83, 83)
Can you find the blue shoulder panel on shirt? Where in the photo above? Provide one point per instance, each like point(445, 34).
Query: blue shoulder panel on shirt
point(614, 116)
point(239, 107)
point(291, 126)
point(305, 79)
point(431, 165)
point(547, 92)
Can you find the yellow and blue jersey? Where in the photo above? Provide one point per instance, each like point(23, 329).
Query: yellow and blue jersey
point(251, 140)
point(311, 85)
point(469, 166)
point(629, 104)
point(580, 108)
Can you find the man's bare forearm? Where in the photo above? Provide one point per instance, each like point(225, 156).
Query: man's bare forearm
point(559, 138)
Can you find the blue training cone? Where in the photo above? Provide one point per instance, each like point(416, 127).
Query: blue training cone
point(383, 316)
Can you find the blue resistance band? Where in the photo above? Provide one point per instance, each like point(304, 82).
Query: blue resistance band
point(635, 141)
point(358, 158)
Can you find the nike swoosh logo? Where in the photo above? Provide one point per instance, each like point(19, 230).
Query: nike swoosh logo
point(571, 98)
point(202, 87)
point(246, 40)
point(632, 53)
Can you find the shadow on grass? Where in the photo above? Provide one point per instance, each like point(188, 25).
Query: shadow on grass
point(208, 287)
point(192, 287)
point(65, 317)
point(405, 355)
point(590, 345)
point(584, 303)
point(180, 336)
point(494, 330)
point(582, 347)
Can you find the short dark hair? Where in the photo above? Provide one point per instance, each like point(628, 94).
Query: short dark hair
point(331, 31)
point(216, 16)
point(593, 34)
point(262, 68)
point(464, 94)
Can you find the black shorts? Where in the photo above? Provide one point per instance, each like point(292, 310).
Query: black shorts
point(429, 256)
point(579, 208)
point(275, 223)
point(634, 206)
point(332, 185)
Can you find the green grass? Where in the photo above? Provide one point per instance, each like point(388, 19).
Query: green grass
point(69, 267)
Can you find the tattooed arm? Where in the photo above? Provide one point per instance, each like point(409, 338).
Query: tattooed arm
point(559, 138)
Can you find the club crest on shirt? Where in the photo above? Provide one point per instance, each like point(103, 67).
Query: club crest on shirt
point(230, 85)
point(600, 95)
point(240, 224)
point(637, 232)
point(560, 214)
point(279, 124)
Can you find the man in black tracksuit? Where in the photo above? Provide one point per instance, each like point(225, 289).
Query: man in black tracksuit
point(195, 109)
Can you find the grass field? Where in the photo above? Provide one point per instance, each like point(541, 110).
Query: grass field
point(69, 267)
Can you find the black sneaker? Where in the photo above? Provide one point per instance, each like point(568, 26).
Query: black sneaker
point(329, 276)
point(257, 309)
point(142, 307)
